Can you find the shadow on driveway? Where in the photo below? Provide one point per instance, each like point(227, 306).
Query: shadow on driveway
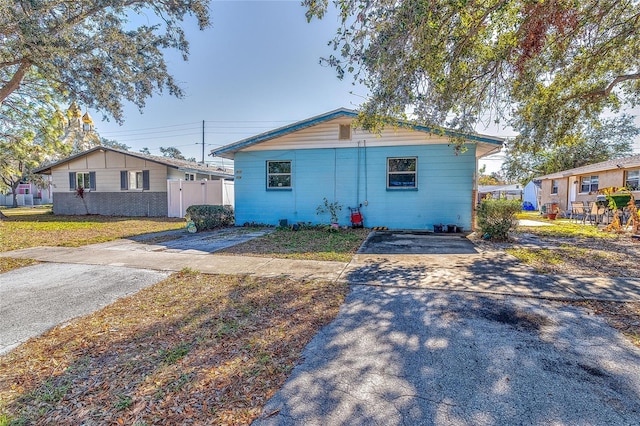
point(395, 357)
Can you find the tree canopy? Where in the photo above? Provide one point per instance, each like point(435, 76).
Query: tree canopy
point(173, 152)
point(93, 51)
point(27, 140)
point(550, 68)
point(612, 139)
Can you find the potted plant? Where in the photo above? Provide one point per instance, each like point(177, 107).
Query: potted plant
point(553, 212)
point(331, 208)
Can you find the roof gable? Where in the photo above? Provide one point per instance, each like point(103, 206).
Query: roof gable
point(229, 151)
point(184, 165)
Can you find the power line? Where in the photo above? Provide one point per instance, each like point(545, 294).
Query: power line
point(153, 128)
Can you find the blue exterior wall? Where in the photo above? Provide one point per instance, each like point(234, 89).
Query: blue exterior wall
point(352, 176)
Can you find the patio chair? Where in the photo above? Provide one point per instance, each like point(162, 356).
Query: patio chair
point(577, 211)
point(596, 214)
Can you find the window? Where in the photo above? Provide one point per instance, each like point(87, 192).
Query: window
point(278, 174)
point(632, 181)
point(135, 180)
point(588, 184)
point(189, 176)
point(82, 180)
point(138, 179)
point(554, 186)
point(345, 132)
point(401, 173)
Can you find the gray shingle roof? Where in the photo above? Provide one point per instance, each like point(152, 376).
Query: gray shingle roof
point(618, 163)
point(187, 166)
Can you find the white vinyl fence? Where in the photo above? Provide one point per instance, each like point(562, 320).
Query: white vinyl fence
point(184, 193)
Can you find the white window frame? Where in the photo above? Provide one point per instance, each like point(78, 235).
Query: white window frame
point(189, 176)
point(402, 172)
point(136, 181)
point(83, 180)
point(554, 186)
point(589, 181)
point(632, 182)
point(273, 174)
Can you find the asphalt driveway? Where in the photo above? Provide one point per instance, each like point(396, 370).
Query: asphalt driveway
point(436, 332)
point(36, 298)
point(419, 357)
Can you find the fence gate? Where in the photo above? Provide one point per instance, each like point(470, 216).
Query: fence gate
point(184, 193)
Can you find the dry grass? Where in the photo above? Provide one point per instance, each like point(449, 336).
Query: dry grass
point(625, 317)
point(589, 252)
point(32, 228)
point(315, 243)
point(211, 349)
point(7, 263)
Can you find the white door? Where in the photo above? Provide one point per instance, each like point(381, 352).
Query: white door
point(573, 190)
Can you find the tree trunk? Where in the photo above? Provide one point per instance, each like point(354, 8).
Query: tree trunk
point(14, 192)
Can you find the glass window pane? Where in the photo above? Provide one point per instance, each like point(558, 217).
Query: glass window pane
point(404, 180)
point(402, 165)
point(279, 166)
point(279, 181)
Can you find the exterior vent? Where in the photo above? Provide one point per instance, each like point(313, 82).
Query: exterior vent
point(345, 132)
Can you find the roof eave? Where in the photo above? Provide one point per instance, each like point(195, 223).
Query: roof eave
point(230, 150)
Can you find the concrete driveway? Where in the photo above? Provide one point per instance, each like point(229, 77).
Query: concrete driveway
point(36, 298)
point(436, 332)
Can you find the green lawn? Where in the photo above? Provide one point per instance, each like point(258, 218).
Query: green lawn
point(38, 227)
point(561, 227)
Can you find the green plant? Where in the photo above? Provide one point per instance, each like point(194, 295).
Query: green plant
point(210, 217)
point(173, 355)
point(497, 217)
point(80, 194)
point(123, 402)
point(331, 208)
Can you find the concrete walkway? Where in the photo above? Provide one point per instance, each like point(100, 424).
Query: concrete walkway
point(459, 268)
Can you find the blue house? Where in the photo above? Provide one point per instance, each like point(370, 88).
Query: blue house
point(407, 177)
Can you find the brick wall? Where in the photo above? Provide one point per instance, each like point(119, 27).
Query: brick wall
point(152, 204)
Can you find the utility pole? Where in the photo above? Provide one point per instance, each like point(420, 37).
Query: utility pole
point(203, 142)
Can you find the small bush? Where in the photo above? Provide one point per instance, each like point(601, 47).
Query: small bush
point(210, 217)
point(497, 217)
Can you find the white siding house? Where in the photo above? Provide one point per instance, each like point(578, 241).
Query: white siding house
point(120, 183)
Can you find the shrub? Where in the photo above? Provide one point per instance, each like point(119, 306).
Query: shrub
point(210, 217)
point(497, 217)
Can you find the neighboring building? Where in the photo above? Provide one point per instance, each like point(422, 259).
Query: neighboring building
point(583, 183)
point(27, 194)
point(408, 177)
point(123, 183)
point(531, 194)
point(508, 192)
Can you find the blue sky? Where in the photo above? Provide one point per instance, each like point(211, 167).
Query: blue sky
point(256, 68)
